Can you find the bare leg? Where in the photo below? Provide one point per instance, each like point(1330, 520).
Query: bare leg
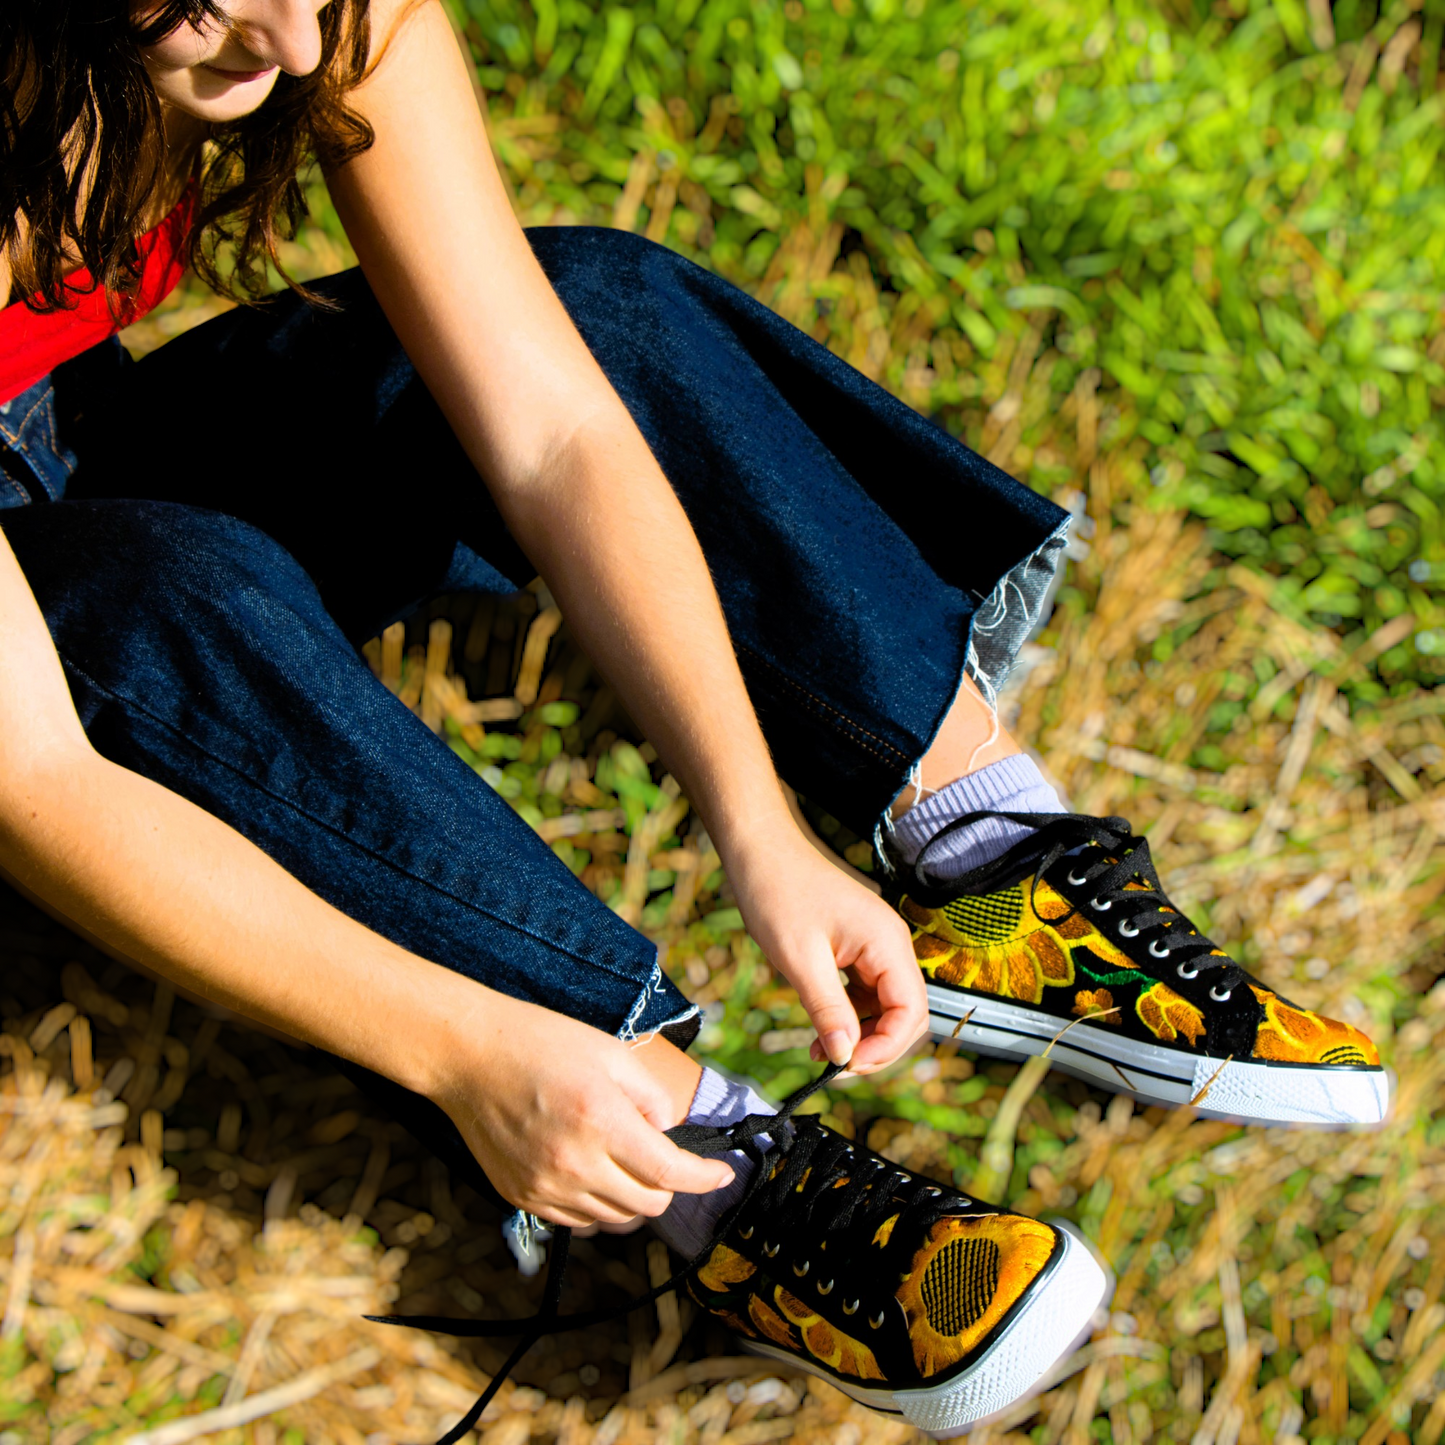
point(969, 739)
point(674, 1070)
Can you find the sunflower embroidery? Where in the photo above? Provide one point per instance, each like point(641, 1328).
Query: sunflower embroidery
point(725, 1267)
point(964, 1279)
point(1167, 1014)
point(826, 1342)
point(1098, 1006)
point(1013, 943)
point(1297, 1036)
point(770, 1323)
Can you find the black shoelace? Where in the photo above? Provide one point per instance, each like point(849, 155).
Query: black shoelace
point(703, 1139)
point(1121, 859)
point(826, 1186)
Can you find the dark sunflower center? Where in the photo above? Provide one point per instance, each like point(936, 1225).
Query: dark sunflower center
point(991, 918)
point(959, 1284)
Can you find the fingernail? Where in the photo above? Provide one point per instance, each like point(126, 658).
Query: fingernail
point(837, 1046)
point(727, 1179)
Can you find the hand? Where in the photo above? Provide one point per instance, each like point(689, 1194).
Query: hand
point(565, 1120)
point(811, 920)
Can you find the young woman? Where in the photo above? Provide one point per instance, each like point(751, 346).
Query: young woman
point(780, 568)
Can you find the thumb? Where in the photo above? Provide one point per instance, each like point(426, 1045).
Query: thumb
point(646, 1152)
point(820, 990)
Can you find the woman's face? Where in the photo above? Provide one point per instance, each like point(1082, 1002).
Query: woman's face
point(226, 68)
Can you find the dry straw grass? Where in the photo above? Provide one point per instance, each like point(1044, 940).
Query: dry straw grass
point(1272, 1283)
point(165, 1304)
point(196, 1244)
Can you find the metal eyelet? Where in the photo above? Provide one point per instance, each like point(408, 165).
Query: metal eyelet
point(1219, 997)
point(825, 1288)
point(1099, 907)
point(746, 1233)
point(801, 1272)
point(1077, 882)
point(1184, 971)
point(1158, 952)
point(771, 1253)
point(876, 1324)
point(850, 1309)
point(1127, 930)
point(934, 1193)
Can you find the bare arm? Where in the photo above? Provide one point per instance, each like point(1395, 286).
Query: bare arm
point(427, 213)
point(156, 879)
point(583, 495)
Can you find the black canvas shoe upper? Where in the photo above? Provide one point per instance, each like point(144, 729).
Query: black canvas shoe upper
point(1072, 921)
point(863, 1270)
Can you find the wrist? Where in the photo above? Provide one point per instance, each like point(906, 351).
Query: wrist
point(748, 822)
point(770, 849)
point(428, 1020)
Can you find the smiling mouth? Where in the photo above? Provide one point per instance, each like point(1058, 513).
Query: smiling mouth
point(238, 77)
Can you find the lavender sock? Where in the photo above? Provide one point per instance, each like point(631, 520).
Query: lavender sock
point(1011, 785)
point(689, 1221)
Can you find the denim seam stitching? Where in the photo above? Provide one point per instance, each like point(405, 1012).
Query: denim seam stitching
point(7, 481)
point(337, 832)
point(15, 439)
point(838, 715)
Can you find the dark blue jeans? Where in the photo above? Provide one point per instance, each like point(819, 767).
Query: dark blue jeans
point(215, 528)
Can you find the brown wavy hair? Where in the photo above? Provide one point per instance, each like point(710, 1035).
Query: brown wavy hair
point(81, 148)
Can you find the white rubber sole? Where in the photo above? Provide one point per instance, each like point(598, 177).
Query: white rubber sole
point(1249, 1093)
point(1055, 1314)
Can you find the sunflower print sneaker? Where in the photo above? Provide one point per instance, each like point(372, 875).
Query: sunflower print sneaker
point(1067, 942)
point(906, 1295)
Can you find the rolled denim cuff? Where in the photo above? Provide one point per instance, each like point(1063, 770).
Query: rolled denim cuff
point(661, 1009)
point(1009, 615)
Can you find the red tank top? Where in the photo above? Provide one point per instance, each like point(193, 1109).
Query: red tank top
point(34, 343)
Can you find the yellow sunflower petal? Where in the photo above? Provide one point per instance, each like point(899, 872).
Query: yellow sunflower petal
point(725, 1267)
point(1299, 1036)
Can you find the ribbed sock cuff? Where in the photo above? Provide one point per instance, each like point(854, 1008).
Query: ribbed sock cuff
point(689, 1221)
point(1011, 785)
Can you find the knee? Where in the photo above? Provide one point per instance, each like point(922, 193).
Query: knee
point(107, 572)
point(601, 271)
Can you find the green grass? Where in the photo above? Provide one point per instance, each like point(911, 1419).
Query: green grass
point(1230, 223)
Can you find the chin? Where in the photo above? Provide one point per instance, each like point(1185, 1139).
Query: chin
point(208, 98)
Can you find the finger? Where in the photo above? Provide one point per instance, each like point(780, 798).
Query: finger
point(644, 1089)
point(640, 1147)
point(820, 990)
point(615, 1199)
point(864, 1000)
point(628, 1226)
point(865, 1005)
point(604, 1194)
point(902, 1008)
point(869, 1010)
point(607, 1192)
point(655, 1163)
point(614, 1218)
point(560, 1214)
point(886, 1039)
